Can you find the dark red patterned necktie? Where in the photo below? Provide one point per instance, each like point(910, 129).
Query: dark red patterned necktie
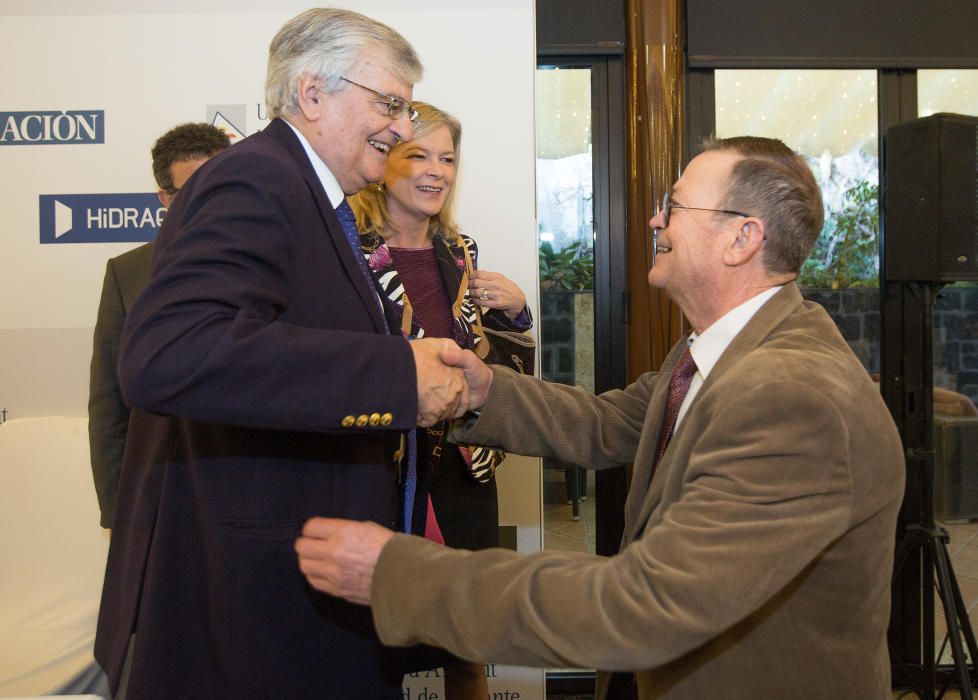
point(682, 376)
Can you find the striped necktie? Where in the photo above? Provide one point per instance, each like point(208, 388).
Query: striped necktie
point(349, 223)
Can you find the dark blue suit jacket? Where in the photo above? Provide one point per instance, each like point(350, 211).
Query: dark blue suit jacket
point(255, 345)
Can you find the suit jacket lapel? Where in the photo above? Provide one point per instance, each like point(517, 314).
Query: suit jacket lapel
point(641, 490)
point(767, 318)
point(451, 257)
point(390, 285)
point(451, 275)
point(646, 490)
point(284, 134)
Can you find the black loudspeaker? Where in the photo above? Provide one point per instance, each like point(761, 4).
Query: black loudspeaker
point(931, 199)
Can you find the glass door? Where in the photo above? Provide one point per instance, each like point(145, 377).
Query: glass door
point(565, 237)
point(581, 242)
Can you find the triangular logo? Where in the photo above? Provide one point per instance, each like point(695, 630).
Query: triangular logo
point(63, 221)
point(225, 125)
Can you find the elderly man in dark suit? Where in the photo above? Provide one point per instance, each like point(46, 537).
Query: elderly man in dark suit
point(759, 526)
point(267, 388)
point(176, 156)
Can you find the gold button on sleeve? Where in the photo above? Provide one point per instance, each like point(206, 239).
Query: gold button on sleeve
point(386, 419)
point(374, 419)
point(362, 420)
point(348, 422)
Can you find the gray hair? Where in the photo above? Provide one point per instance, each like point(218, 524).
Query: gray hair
point(327, 43)
point(774, 183)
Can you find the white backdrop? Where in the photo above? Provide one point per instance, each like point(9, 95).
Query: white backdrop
point(149, 70)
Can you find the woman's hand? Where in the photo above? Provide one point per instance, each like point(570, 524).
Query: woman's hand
point(494, 290)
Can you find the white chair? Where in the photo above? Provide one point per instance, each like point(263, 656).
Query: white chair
point(52, 555)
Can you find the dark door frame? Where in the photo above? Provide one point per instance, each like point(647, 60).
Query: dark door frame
point(610, 286)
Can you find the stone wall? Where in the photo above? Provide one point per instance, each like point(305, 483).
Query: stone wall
point(856, 312)
point(567, 336)
point(956, 340)
point(557, 336)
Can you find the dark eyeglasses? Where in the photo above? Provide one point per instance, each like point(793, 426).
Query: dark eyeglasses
point(668, 205)
point(396, 107)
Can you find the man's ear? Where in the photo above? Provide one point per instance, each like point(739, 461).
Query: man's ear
point(165, 198)
point(311, 98)
point(747, 243)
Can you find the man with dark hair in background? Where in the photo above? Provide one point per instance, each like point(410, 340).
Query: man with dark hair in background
point(176, 156)
point(760, 520)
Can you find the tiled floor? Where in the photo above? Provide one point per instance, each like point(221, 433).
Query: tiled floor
point(561, 531)
point(963, 549)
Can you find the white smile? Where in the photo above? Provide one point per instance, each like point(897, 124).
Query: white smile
point(429, 188)
point(662, 249)
point(380, 146)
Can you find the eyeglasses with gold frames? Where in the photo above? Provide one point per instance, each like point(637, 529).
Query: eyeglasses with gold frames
point(397, 108)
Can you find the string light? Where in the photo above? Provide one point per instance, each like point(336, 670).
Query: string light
point(801, 97)
point(563, 102)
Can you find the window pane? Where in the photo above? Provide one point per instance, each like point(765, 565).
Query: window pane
point(565, 221)
point(947, 91)
point(565, 229)
point(830, 117)
point(565, 188)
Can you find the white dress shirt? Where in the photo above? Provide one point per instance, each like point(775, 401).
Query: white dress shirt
point(332, 186)
point(707, 348)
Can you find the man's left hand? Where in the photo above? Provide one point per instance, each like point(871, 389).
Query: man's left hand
point(338, 556)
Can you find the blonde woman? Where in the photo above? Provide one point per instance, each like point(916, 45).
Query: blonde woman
point(426, 270)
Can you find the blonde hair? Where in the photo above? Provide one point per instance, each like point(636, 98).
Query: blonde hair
point(370, 204)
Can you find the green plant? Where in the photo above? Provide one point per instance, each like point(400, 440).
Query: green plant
point(846, 253)
point(570, 268)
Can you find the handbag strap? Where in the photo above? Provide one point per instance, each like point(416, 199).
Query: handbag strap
point(436, 444)
point(482, 348)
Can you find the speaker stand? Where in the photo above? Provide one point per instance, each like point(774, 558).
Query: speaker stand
point(931, 544)
point(921, 559)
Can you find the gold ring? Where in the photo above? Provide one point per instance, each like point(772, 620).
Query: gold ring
point(484, 295)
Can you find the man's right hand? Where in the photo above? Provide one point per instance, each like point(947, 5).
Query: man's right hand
point(442, 389)
point(477, 375)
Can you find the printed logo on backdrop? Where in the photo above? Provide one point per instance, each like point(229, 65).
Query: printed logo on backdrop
point(233, 119)
point(39, 128)
point(505, 683)
point(100, 218)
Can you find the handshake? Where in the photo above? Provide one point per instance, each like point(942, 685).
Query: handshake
point(338, 556)
point(451, 381)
